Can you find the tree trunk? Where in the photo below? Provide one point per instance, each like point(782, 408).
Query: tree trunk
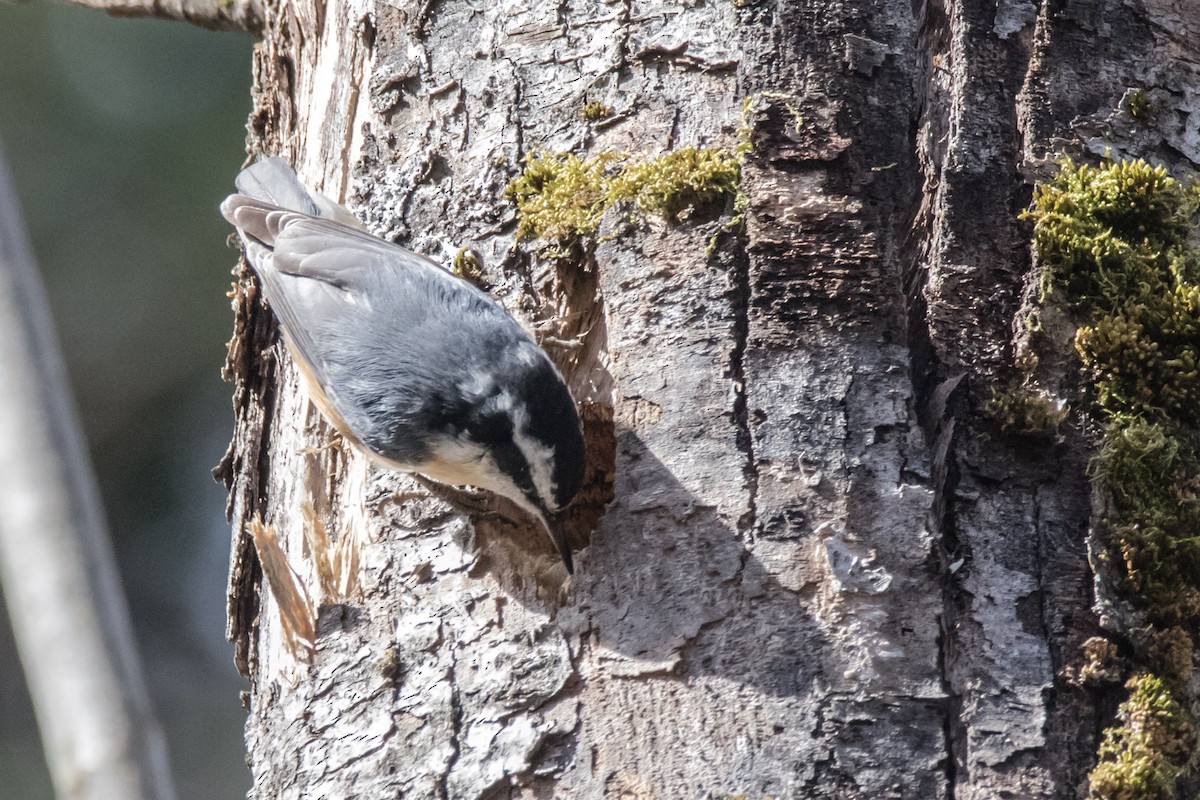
point(824, 570)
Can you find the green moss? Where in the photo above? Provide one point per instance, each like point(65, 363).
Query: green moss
point(468, 265)
point(1149, 475)
point(1140, 106)
point(563, 198)
point(1142, 758)
point(1026, 412)
point(1118, 245)
point(681, 179)
point(560, 196)
point(1098, 229)
point(1144, 359)
point(1170, 657)
point(1102, 663)
point(594, 110)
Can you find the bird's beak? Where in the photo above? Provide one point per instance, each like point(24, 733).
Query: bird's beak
point(554, 527)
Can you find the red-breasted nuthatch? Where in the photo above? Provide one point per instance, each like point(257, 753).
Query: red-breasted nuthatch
point(417, 367)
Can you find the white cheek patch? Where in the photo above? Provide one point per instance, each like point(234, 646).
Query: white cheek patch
point(458, 451)
point(538, 456)
point(457, 464)
point(501, 401)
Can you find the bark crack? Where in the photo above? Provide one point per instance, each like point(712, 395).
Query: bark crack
point(357, 59)
point(932, 390)
point(953, 730)
point(950, 559)
point(624, 17)
point(737, 367)
point(456, 723)
point(518, 86)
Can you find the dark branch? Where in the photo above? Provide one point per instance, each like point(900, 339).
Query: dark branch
point(221, 15)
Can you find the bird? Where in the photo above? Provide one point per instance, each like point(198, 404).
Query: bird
point(414, 366)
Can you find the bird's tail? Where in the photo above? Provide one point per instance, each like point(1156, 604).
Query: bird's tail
point(273, 180)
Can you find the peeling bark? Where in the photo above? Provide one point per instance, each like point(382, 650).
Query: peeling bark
point(824, 571)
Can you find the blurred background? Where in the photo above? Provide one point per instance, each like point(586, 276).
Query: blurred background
point(122, 137)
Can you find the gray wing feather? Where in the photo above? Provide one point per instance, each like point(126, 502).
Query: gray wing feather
point(348, 302)
point(257, 219)
point(329, 251)
point(296, 239)
point(272, 179)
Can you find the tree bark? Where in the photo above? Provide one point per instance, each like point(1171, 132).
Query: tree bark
point(824, 570)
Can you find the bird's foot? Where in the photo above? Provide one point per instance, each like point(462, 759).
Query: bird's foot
point(478, 504)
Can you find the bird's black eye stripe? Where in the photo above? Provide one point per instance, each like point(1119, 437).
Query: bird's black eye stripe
point(553, 422)
point(484, 424)
point(511, 461)
point(492, 428)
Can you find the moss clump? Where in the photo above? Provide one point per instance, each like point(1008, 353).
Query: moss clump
point(594, 110)
point(1170, 657)
point(1102, 662)
point(562, 197)
point(686, 178)
point(1144, 358)
point(1142, 757)
point(1140, 106)
point(1089, 220)
point(1117, 240)
point(468, 265)
point(1027, 412)
point(1150, 479)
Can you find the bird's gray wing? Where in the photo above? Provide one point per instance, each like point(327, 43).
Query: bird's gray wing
point(315, 270)
point(329, 251)
point(350, 303)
